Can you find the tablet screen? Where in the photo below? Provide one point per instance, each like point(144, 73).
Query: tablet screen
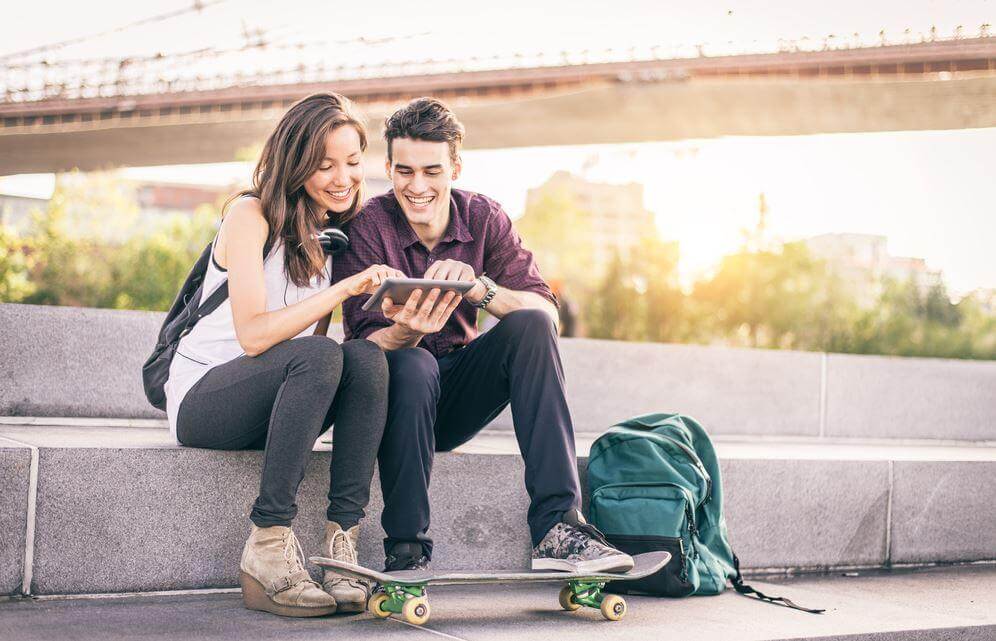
point(399, 289)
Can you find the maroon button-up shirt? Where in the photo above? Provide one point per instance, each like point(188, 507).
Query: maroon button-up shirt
point(479, 234)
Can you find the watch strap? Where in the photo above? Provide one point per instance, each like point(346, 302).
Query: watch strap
point(490, 295)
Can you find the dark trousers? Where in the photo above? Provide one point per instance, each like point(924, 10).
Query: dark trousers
point(280, 401)
point(436, 405)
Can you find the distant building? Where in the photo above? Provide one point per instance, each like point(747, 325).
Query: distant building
point(863, 261)
point(618, 216)
point(15, 211)
point(160, 199)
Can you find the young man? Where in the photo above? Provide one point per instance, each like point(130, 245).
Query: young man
point(446, 383)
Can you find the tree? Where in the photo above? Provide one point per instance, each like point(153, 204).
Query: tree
point(561, 236)
point(639, 297)
point(612, 311)
point(776, 298)
point(15, 284)
point(147, 271)
point(910, 322)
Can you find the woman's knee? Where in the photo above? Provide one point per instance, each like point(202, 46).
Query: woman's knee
point(365, 359)
point(317, 356)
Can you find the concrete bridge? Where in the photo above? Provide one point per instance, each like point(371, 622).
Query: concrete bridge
point(135, 119)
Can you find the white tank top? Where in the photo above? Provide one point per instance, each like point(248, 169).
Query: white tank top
point(213, 342)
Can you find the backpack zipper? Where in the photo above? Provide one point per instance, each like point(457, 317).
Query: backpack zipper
point(692, 456)
point(689, 511)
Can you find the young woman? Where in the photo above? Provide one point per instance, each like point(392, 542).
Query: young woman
point(260, 372)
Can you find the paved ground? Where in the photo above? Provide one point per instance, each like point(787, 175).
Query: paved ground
point(939, 603)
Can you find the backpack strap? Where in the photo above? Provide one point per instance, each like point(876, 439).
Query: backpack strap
point(193, 281)
point(217, 297)
point(746, 590)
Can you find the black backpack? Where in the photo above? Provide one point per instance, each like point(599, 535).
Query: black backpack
point(182, 316)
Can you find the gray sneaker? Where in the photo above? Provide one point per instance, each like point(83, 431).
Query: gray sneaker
point(573, 545)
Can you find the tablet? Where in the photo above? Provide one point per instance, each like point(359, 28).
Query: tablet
point(399, 289)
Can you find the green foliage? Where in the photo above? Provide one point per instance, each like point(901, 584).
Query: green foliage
point(15, 284)
point(639, 297)
point(774, 298)
point(73, 256)
point(782, 299)
point(910, 322)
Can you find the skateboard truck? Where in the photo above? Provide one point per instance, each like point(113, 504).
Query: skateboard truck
point(589, 593)
point(407, 600)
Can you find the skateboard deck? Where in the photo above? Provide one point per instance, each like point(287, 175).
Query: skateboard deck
point(404, 592)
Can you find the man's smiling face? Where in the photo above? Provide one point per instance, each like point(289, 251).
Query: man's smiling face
point(422, 172)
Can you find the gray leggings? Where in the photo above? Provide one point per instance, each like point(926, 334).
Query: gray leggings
point(280, 401)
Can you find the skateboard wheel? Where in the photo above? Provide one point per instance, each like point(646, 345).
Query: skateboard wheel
point(416, 611)
point(374, 604)
point(613, 607)
point(567, 599)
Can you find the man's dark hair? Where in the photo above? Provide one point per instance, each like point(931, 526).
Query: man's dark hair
point(425, 119)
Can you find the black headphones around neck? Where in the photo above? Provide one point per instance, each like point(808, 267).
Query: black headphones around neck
point(333, 240)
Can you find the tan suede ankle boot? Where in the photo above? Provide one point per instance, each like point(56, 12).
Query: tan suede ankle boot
point(350, 594)
point(274, 578)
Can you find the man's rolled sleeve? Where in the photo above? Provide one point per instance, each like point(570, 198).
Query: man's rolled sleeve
point(365, 249)
point(507, 262)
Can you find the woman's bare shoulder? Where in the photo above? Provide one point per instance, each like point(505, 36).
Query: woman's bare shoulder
point(243, 222)
point(245, 209)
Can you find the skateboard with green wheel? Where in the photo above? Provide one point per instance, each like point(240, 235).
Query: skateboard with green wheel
point(404, 592)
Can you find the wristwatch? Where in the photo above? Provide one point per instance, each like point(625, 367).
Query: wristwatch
point(490, 295)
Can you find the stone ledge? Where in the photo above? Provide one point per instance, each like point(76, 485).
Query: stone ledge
point(910, 397)
point(139, 513)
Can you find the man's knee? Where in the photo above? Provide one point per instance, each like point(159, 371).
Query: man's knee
point(528, 323)
point(414, 372)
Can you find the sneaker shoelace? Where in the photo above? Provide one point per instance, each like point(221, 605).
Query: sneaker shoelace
point(582, 533)
point(342, 548)
point(294, 553)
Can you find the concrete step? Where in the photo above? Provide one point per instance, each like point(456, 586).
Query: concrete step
point(96, 357)
point(939, 604)
point(125, 509)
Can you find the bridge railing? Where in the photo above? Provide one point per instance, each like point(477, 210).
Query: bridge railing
point(268, 64)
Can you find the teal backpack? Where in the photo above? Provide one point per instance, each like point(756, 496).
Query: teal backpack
point(655, 485)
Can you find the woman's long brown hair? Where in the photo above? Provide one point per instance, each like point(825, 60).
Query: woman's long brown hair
point(292, 153)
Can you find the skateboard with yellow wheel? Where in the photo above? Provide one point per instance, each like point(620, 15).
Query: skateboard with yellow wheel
point(404, 593)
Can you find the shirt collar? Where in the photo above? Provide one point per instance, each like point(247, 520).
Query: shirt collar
point(456, 230)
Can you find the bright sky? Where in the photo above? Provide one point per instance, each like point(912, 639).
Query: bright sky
point(457, 28)
point(929, 192)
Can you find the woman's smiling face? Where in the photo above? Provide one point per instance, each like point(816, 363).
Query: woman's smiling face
point(335, 185)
